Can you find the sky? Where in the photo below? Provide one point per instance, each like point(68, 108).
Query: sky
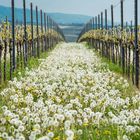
point(84, 7)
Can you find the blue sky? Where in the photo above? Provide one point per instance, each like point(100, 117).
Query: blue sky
point(86, 7)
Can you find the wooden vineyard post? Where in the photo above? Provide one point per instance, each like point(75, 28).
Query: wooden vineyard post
point(136, 45)
point(112, 26)
point(96, 23)
point(32, 30)
point(25, 34)
point(41, 21)
point(37, 33)
point(45, 27)
point(13, 34)
point(122, 47)
point(106, 27)
point(102, 42)
point(5, 54)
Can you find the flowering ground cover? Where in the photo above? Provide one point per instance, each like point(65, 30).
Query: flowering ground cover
point(72, 95)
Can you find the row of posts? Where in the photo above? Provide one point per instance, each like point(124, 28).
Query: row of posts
point(48, 24)
point(98, 23)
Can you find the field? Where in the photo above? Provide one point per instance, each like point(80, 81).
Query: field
point(71, 31)
point(72, 94)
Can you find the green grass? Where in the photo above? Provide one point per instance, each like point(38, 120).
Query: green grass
point(113, 67)
point(90, 131)
point(110, 132)
point(116, 69)
point(32, 64)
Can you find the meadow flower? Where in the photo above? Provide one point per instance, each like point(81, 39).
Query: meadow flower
point(69, 91)
point(21, 128)
point(4, 135)
point(125, 137)
point(69, 133)
point(50, 134)
point(130, 129)
point(79, 132)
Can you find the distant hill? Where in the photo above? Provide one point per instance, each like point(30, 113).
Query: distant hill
point(69, 18)
point(58, 17)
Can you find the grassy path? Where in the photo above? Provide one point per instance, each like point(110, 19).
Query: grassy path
point(72, 95)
